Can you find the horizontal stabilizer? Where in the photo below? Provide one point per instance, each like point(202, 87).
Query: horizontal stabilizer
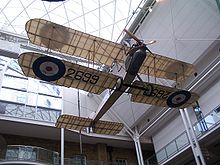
point(79, 123)
point(73, 122)
point(107, 127)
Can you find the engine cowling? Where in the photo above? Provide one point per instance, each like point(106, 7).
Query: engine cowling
point(134, 61)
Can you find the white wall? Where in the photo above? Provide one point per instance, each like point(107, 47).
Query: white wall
point(211, 98)
point(9, 49)
point(208, 101)
point(183, 30)
point(88, 104)
point(166, 134)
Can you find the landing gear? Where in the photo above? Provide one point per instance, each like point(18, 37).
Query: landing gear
point(148, 90)
point(119, 83)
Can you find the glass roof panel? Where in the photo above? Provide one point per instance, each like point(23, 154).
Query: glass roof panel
point(101, 18)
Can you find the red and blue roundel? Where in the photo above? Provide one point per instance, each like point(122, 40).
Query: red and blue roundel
point(178, 98)
point(48, 68)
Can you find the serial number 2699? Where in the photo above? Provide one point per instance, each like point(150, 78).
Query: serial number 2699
point(81, 76)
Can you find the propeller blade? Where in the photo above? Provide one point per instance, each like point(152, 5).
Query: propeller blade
point(136, 39)
point(151, 42)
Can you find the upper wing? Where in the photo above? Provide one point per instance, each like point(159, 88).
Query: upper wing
point(66, 40)
point(165, 67)
point(79, 123)
point(65, 73)
point(159, 95)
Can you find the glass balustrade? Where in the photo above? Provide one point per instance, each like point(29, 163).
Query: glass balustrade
point(28, 112)
point(70, 161)
point(20, 153)
point(17, 154)
point(212, 119)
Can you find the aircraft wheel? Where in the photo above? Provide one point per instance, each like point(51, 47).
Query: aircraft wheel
point(48, 68)
point(178, 98)
point(148, 90)
point(119, 83)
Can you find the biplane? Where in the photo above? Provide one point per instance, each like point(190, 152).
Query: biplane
point(138, 59)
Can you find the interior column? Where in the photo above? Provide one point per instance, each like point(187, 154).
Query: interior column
point(192, 139)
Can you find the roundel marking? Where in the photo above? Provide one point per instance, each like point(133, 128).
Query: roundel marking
point(178, 98)
point(48, 68)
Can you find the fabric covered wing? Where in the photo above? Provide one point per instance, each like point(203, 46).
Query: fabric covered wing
point(73, 122)
point(155, 94)
point(66, 40)
point(65, 73)
point(107, 127)
point(79, 123)
point(167, 68)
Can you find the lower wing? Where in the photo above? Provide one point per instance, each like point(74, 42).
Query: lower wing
point(159, 95)
point(64, 73)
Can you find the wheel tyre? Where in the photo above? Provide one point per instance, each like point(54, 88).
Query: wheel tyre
point(148, 90)
point(119, 83)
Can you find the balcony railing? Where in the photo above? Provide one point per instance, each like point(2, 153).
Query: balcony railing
point(211, 120)
point(20, 154)
point(29, 112)
point(70, 161)
point(25, 154)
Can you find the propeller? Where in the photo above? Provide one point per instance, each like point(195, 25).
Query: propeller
point(151, 42)
point(148, 88)
point(140, 43)
point(134, 37)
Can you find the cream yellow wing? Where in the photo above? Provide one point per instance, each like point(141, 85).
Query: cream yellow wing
point(69, 41)
point(66, 40)
point(65, 73)
point(167, 68)
point(160, 95)
point(79, 123)
point(73, 122)
point(107, 127)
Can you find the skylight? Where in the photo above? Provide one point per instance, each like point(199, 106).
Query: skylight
point(105, 18)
